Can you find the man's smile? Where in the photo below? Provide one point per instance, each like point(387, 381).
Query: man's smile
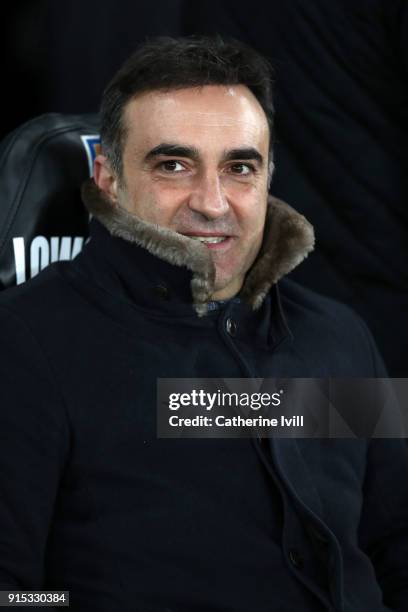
point(212, 241)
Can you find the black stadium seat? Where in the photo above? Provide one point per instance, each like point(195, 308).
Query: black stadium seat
point(42, 218)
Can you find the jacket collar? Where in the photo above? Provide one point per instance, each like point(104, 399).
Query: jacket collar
point(288, 239)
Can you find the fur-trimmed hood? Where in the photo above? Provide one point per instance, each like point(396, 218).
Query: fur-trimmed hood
point(288, 239)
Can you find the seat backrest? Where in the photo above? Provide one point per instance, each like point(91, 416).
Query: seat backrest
point(42, 218)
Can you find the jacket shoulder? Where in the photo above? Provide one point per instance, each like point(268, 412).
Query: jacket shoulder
point(323, 326)
point(40, 297)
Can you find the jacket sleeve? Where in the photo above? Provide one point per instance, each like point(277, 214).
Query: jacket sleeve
point(33, 449)
point(384, 518)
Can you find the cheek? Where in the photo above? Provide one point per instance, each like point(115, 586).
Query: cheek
point(248, 200)
point(156, 203)
point(251, 215)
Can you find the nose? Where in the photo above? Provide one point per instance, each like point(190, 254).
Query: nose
point(208, 197)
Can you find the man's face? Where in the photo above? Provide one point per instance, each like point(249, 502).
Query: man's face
point(196, 161)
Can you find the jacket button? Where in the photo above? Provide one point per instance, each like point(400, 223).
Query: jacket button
point(296, 558)
point(161, 292)
point(231, 327)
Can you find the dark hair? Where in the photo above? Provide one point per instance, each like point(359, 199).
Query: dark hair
point(165, 63)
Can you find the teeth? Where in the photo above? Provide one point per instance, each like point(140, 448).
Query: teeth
point(209, 239)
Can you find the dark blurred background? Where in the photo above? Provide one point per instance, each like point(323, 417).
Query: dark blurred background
point(340, 81)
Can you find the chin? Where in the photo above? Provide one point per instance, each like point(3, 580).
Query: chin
point(226, 287)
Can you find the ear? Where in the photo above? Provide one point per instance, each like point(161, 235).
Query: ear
point(105, 178)
point(271, 168)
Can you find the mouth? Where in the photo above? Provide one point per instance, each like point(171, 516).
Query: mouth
point(211, 241)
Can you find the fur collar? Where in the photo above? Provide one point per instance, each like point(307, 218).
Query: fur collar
point(288, 239)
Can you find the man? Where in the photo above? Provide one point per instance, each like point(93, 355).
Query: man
point(180, 280)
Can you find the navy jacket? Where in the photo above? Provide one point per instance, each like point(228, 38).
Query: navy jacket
point(81, 348)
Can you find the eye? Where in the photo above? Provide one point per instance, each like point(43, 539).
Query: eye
point(171, 165)
point(241, 169)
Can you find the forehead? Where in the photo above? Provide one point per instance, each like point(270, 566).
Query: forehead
point(210, 116)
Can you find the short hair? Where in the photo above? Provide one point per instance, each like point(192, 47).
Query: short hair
point(165, 63)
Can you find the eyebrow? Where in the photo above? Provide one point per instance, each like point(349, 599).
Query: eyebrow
point(246, 153)
point(168, 149)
